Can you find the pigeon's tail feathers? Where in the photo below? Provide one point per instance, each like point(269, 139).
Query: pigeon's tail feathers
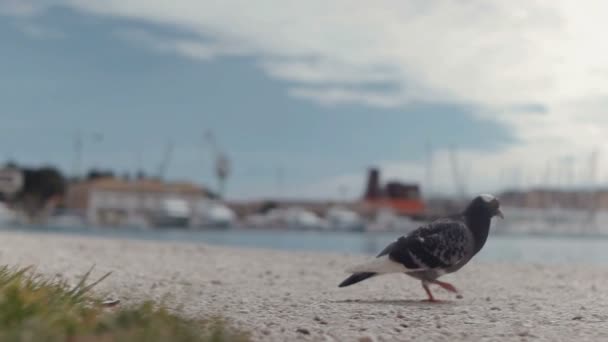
point(380, 265)
point(357, 277)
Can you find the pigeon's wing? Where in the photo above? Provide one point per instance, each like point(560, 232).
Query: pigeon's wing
point(440, 244)
point(423, 230)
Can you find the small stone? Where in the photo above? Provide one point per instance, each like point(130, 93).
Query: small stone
point(403, 325)
point(488, 299)
point(459, 296)
point(400, 316)
point(320, 320)
point(495, 308)
point(303, 331)
point(265, 332)
point(577, 318)
point(397, 330)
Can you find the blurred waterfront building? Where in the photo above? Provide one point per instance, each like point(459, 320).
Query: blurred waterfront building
point(118, 202)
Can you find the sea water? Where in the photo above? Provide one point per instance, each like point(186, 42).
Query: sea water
point(513, 247)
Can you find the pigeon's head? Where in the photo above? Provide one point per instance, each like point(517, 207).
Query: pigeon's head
point(485, 205)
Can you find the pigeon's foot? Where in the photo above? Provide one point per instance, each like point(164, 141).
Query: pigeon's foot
point(446, 286)
point(431, 299)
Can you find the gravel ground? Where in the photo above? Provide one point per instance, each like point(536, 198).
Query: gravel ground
point(293, 296)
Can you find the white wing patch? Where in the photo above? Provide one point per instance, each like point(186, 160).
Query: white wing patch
point(381, 265)
point(487, 198)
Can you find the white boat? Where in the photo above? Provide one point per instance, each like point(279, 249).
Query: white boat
point(290, 218)
point(212, 214)
point(343, 219)
point(387, 220)
point(299, 218)
point(174, 212)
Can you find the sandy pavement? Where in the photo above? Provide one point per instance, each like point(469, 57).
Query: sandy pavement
point(293, 296)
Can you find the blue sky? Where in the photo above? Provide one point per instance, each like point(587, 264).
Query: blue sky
point(143, 80)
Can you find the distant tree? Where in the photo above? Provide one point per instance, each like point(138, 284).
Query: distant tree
point(11, 164)
point(97, 174)
point(42, 188)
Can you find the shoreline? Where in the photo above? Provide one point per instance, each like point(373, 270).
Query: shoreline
point(285, 296)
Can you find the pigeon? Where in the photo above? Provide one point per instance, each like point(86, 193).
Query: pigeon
point(437, 248)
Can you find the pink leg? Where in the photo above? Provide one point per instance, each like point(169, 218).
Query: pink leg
point(446, 286)
point(428, 293)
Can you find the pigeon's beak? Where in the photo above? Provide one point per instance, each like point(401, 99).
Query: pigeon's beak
point(500, 214)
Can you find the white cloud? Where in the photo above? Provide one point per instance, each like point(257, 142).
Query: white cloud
point(494, 55)
point(324, 71)
point(188, 47)
point(340, 95)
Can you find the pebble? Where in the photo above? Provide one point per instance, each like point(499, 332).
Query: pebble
point(320, 320)
point(303, 331)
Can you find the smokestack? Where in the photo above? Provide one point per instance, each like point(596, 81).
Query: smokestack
point(373, 184)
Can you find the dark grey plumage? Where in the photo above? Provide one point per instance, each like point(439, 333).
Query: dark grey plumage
point(442, 246)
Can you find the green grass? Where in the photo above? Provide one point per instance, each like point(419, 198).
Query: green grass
point(33, 308)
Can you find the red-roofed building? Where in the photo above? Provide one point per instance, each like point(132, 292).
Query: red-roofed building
point(403, 198)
